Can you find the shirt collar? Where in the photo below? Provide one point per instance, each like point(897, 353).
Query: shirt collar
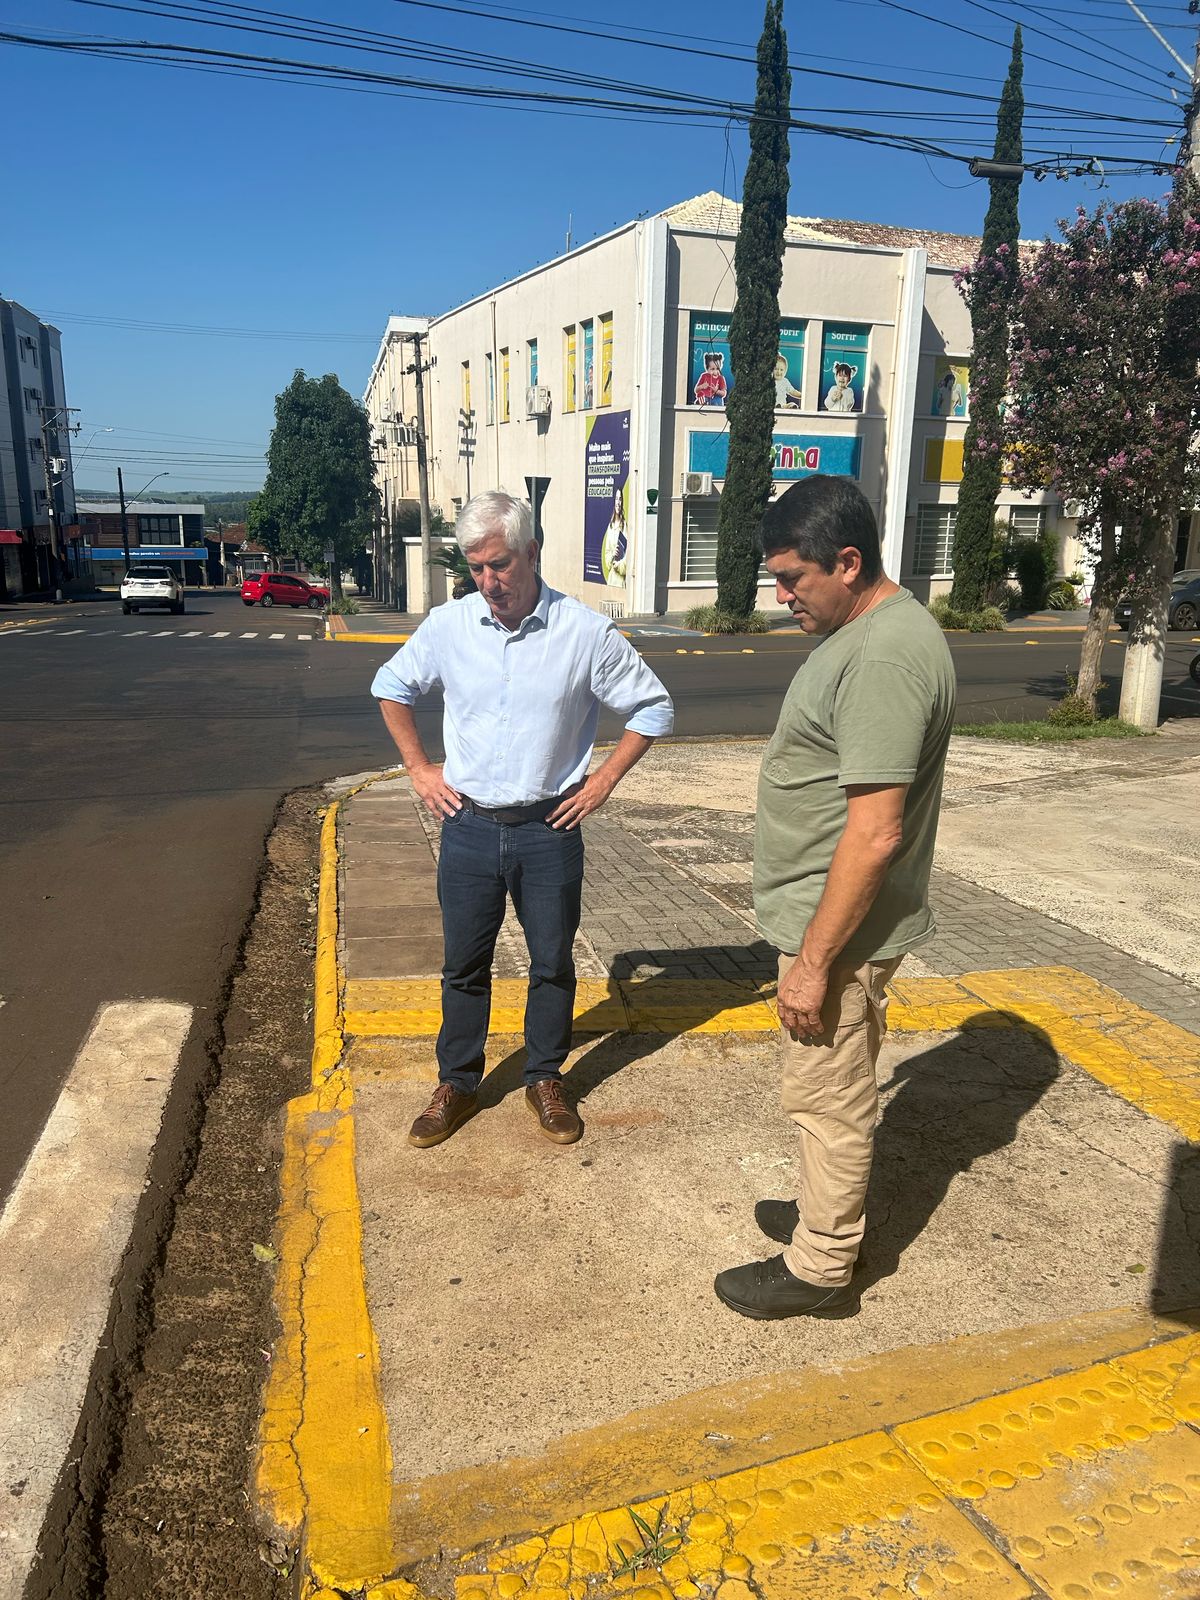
point(540, 615)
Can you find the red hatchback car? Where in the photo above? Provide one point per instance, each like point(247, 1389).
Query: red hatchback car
point(283, 589)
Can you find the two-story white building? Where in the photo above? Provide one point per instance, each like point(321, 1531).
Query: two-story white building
point(597, 386)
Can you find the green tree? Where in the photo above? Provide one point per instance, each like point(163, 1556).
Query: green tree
point(754, 329)
point(264, 527)
point(320, 486)
point(989, 288)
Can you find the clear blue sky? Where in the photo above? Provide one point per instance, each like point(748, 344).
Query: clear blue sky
point(151, 194)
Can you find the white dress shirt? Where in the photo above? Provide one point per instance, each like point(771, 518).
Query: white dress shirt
point(521, 707)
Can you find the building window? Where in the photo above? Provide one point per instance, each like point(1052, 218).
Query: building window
point(589, 365)
point(466, 390)
point(489, 388)
point(933, 551)
point(570, 363)
point(33, 400)
point(504, 378)
point(700, 540)
point(28, 349)
point(533, 363)
point(699, 564)
point(158, 525)
point(39, 499)
point(606, 357)
point(1027, 522)
point(35, 450)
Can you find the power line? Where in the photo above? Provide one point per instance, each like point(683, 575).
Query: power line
point(134, 324)
point(1122, 56)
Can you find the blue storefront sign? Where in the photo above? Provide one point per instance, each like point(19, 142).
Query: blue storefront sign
point(794, 455)
point(150, 552)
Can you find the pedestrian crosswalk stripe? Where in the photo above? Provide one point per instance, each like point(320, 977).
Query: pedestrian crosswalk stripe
point(277, 636)
point(70, 633)
point(220, 635)
point(164, 633)
point(249, 636)
point(137, 633)
point(194, 634)
point(307, 637)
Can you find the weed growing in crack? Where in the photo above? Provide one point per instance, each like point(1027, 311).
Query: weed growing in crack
point(658, 1546)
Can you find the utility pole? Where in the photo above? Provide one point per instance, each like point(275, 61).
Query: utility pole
point(125, 518)
point(50, 424)
point(418, 369)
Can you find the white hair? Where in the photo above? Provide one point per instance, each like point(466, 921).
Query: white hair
point(493, 512)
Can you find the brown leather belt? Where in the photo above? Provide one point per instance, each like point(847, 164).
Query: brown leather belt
point(513, 816)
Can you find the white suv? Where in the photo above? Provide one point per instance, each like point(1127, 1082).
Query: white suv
point(149, 584)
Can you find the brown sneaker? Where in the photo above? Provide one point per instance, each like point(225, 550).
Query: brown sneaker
point(448, 1108)
point(558, 1121)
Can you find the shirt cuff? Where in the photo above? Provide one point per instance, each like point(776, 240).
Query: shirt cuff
point(653, 722)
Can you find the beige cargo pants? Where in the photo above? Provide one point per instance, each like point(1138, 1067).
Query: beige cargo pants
point(829, 1091)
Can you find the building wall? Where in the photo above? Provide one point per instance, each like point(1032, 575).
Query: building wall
point(598, 280)
point(31, 376)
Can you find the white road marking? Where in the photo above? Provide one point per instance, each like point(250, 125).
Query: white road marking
point(62, 1235)
point(249, 636)
point(195, 634)
point(220, 635)
point(166, 633)
point(277, 636)
point(138, 633)
point(307, 637)
point(70, 633)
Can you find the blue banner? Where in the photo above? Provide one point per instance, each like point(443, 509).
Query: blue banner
point(844, 367)
point(794, 455)
point(710, 370)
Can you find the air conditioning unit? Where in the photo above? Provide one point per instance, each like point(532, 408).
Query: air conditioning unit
point(1072, 510)
point(537, 401)
point(694, 483)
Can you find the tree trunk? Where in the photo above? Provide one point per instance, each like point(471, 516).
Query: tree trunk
point(1141, 681)
point(335, 579)
point(1100, 615)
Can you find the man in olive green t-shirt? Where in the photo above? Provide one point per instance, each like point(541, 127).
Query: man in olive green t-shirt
point(848, 805)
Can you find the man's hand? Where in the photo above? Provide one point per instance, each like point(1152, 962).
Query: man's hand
point(802, 992)
point(439, 798)
point(581, 801)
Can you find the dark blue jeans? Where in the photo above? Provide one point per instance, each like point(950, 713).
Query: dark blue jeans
point(481, 863)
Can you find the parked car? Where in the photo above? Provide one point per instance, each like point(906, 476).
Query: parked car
point(283, 589)
point(148, 584)
point(1183, 608)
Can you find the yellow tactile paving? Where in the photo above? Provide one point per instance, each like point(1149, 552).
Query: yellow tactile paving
point(1092, 1487)
point(849, 1520)
point(1170, 1375)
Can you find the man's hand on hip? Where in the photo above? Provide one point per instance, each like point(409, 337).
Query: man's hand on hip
point(581, 801)
point(802, 991)
point(437, 795)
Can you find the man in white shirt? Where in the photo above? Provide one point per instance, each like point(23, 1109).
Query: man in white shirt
point(524, 671)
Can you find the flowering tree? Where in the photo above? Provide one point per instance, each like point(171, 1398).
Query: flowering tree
point(988, 289)
point(1103, 374)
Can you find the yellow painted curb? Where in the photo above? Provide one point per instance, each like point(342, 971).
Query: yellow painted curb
point(344, 636)
point(323, 1466)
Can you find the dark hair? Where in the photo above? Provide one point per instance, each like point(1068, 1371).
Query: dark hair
point(819, 517)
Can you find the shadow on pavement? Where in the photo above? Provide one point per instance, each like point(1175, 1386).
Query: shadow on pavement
point(948, 1108)
point(1176, 1288)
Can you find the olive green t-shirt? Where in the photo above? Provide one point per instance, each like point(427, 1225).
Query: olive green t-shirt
point(874, 703)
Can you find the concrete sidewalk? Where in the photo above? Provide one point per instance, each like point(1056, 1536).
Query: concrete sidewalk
point(495, 1352)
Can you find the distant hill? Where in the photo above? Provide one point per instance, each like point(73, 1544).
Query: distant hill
point(226, 505)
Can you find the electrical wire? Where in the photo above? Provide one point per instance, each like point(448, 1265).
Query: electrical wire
point(1123, 57)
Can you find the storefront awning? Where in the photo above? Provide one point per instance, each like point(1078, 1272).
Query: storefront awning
point(9, 536)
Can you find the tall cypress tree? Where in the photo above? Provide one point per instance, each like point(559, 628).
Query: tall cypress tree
point(754, 329)
point(992, 286)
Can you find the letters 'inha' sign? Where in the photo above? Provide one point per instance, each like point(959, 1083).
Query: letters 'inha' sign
point(792, 455)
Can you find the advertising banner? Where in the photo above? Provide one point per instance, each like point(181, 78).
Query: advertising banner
point(710, 368)
point(589, 368)
point(793, 455)
point(951, 388)
point(606, 499)
point(844, 367)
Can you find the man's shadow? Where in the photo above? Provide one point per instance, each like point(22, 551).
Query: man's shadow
point(684, 989)
point(954, 1105)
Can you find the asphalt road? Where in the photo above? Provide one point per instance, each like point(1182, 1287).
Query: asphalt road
point(145, 758)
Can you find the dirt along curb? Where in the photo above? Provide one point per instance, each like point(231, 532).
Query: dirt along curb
point(176, 1517)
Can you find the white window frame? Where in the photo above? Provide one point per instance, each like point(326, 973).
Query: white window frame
point(940, 539)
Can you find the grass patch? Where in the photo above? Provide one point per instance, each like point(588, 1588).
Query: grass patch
point(1051, 733)
point(711, 619)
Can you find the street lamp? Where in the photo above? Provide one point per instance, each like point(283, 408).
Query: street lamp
point(124, 517)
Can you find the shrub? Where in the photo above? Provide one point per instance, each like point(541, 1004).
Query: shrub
point(1036, 562)
point(345, 607)
point(1062, 596)
point(989, 620)
point(1072, 711)
point(993, 619)
point(944, 613)
point(711, 619)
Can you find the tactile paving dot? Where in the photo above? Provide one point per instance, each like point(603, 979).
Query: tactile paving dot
point(1087, 1481)
point(1169, 1374)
